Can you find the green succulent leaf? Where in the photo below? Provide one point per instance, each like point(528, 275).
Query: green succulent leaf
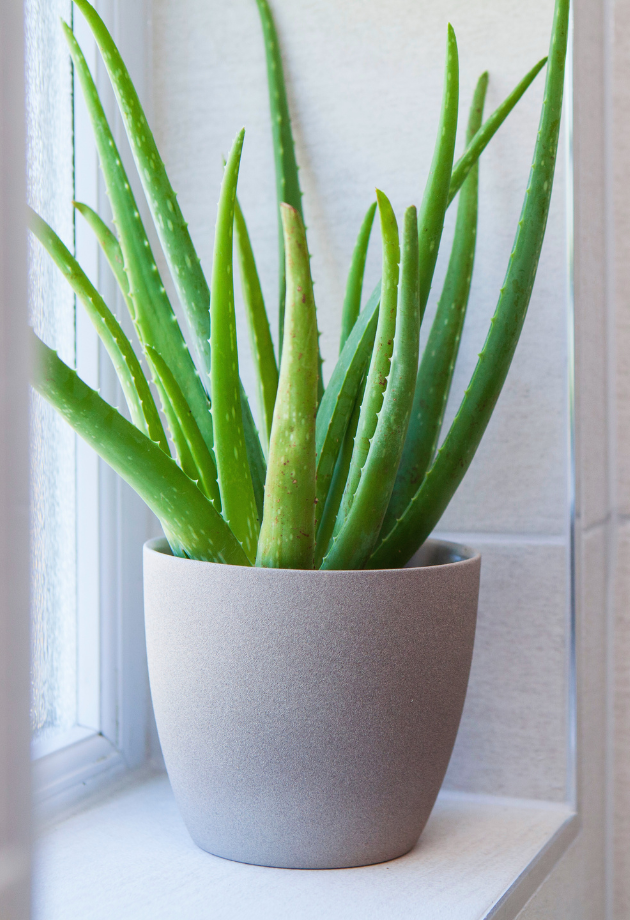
point(255, 455)
point(381, 356)
point(180, 253)
point(287, 536)
point(153, 316)
point(426, 507)
point(354, 286)
point(440, 354)
point(335, 455)
point(258, 324)
point(197, 461)
point(111, 249)
point(192, 524)
point(486, 132)
point(435, 198)
point(460, 171)
point(172, 229)
point(235, 481)
point(287, 179)
point(366, 502)
point(339, 399)
point(182, 449)
point(128, 369)
point(338, 481)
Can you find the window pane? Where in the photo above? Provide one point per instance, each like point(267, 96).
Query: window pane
point(53, 523)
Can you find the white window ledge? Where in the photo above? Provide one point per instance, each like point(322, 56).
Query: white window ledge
point(73, 774)
point(128, 856)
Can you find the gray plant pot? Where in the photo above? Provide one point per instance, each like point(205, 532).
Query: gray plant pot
point(307, 718)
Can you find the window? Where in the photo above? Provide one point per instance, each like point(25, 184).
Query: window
point(53, 530)
point(89, 687)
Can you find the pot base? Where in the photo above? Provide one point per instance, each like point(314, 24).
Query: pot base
point(322, 866)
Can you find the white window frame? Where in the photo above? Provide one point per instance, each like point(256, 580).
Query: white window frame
point(115, 730)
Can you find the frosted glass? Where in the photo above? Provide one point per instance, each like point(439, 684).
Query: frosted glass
point(53, 460)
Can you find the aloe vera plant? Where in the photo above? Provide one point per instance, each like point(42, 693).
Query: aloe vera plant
point(342, 478)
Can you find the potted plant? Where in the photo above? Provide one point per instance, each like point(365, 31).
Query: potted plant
point(309, 646)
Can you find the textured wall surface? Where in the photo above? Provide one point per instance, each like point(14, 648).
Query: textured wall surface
point(364, 85)
point(512, 741)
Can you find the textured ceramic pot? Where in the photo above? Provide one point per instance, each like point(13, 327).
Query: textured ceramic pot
point(307, 718)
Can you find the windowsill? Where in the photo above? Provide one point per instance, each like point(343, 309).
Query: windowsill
point(71, 776)
point(128, 855)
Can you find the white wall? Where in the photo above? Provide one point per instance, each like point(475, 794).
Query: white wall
point(364, 84)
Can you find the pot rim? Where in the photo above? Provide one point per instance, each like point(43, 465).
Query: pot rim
point(462, 555)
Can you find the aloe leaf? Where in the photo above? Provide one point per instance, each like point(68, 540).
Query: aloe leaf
point(155, 321)
point(486, 132)
point(354, 287)
point(380, 360)
point(352, 544)
point(338, 481)
point(172, 229)
point(258, 324)
point(478, 144)
point(438, 360)
point(287, 179)
point(204, 469)
point(128, 369)
point(190, 520)
point(381, 354)
point(337, 404)
point(171, 397)
point(255, 455)
point(287, 536)
point(235, 481)
point(182, 449)
point(455, 455)
point(338, 399)
point(111, 250)
point(435, 198)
